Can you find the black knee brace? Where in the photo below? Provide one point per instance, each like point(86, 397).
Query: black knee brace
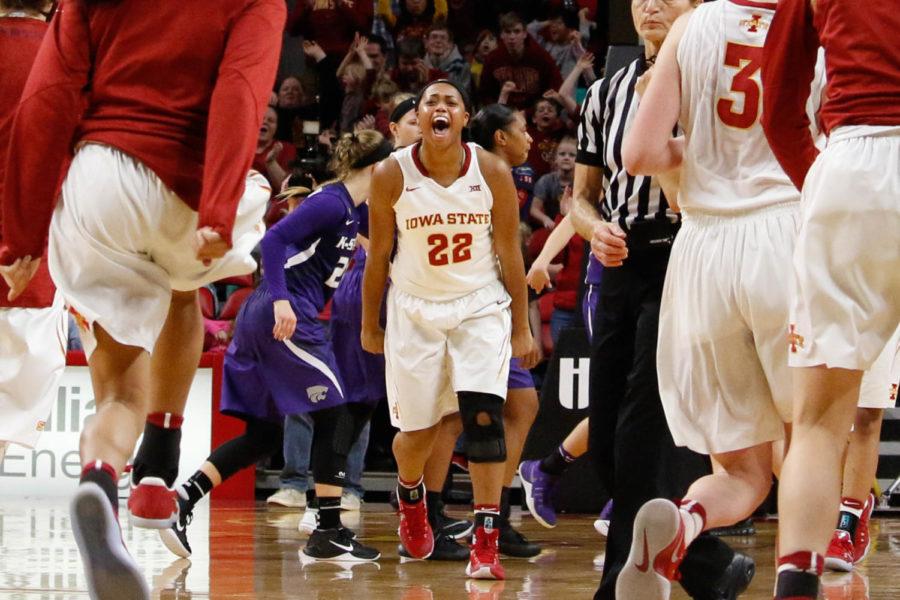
point(259, 441)
point(333, 434)
point(482, 419)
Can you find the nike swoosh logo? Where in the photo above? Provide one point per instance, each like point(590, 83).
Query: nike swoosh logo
point(646, 562)
point(343, 547)
point(350, 222)
point(412, 189)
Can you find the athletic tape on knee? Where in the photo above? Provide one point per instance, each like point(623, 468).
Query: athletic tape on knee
point(482, 418)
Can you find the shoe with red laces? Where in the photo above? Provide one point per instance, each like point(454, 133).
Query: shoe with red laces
point(484, 557)
point(415, 532)
point(862, 541)
point(839, 556)
point(656, 553)
point(152, 504)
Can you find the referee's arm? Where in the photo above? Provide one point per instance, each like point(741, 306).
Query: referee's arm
point(607, 239)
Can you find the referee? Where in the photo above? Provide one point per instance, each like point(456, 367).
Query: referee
point(632, 235)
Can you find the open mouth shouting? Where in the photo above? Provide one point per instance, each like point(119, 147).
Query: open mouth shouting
point(440, 125)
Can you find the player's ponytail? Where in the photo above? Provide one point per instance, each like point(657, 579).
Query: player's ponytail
point(488, 121)
point(358, 150)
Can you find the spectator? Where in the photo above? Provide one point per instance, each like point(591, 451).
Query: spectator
point(519, 68)
point(331, 95)
point(561, 36)
point(411, 73)
point(357, 75)
point(443, 55)
point(378, 109)
point(552, 187)
point(331, 23)
point(413, 18)
point(273, 158)
point(546, 129)
point(377, 51)
point(485, 43)
point(294, 106)
point(468, 18)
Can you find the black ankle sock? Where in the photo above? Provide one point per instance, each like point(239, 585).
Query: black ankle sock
point(435, 505)
point(796, 584)
point(557, 461)
point(196, 487)
point(158, 455)
point(329, 512)
point(102, 475)
point(848, 522)
point(504, 503)
point(487, 516)
point(410, 493)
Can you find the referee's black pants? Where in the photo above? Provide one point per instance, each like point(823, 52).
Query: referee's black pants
point(635, 456)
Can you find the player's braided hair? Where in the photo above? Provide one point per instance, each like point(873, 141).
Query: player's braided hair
point(358, 150)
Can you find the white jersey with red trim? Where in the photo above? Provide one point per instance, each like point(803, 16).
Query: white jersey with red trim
point(445, 247)
point(728, 165)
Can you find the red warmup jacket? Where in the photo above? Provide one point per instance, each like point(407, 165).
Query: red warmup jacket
point(862, 66)
point(179, 86)
point(20, 39)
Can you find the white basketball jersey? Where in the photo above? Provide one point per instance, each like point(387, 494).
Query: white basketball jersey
point(445, 249)
point(728, 165)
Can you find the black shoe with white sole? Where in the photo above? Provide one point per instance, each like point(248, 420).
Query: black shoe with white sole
point(338, 545)
point(449, 526)
point(111, 571)
point(175, 537)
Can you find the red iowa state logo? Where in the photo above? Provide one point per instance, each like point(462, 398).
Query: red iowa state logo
point(755, 23)
point(794, 339)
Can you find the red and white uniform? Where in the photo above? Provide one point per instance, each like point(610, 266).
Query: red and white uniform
point(722, 356)
point(879, 383)
point(448, 319)
point(846, 288)
point(166, 132)
point(34, 327)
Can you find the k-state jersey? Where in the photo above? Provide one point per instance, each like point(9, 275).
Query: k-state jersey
point(728, 165)
point(321, 239)
point(445, 248)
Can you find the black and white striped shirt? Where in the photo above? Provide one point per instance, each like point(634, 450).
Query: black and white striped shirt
point(607, 114)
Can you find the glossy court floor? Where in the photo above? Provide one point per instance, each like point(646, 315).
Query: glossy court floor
point(251, 551)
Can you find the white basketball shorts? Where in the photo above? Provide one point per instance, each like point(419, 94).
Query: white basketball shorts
point(32, 359)
point(121, 241)
point(434, 349)
point(845, 301)
point(880, 382)
point(722, 354)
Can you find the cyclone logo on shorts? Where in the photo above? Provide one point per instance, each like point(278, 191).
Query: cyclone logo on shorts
point(316, 393)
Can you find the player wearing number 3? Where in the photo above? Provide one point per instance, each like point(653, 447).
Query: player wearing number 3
point(722, 355)
point(457, 310)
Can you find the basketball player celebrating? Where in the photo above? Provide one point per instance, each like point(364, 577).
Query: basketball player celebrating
point(456, 308)
point(304, 257)
point(33, 328)
point(845, 301)
point(148, 211)
point(722, 357)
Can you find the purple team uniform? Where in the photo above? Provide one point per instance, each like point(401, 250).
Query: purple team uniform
point(591, 294)
point(362, 371)
point(304, 257)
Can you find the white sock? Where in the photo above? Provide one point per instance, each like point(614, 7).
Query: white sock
point(693, 525)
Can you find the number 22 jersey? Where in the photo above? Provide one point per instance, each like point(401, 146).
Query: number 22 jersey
point(445, 247)
point(728, 165)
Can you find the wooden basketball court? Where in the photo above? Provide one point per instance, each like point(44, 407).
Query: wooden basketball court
point(252, 551)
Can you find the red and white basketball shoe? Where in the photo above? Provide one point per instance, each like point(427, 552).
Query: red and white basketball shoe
point(414, 531)
point(656, 553)
point(152, 504)
point(862, 541)
point(839, 556)
point(484, 557)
